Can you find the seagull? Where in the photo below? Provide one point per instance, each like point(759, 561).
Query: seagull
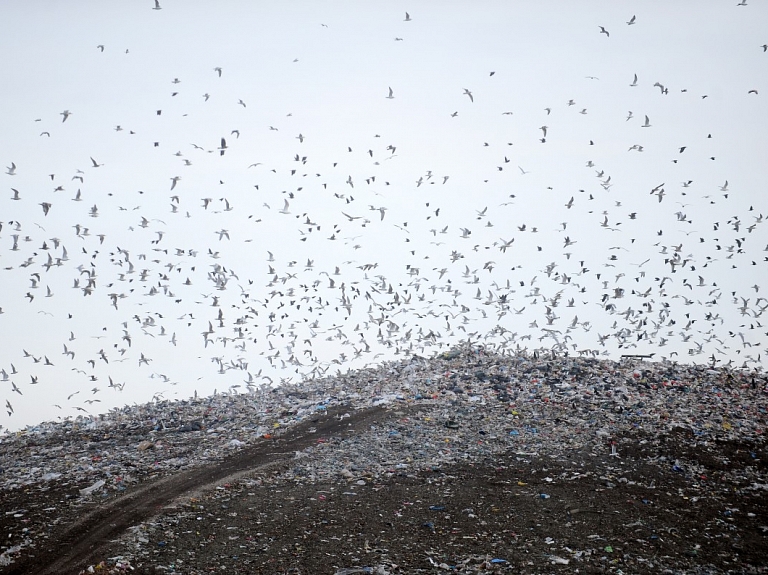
point(223, 147)
point(647, 123)
point(634, 82)
point(66, 114)
point(391, 95)
point(157, 5)
point(218, 69)
point(604, 31)
point(631, 21)
point(468, 93)
point(11, 169)
point(407, 17)
point(96, 164)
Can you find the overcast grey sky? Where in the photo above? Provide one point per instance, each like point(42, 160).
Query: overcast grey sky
point(604, 233)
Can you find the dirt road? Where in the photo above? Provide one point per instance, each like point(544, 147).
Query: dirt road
point(76, 543)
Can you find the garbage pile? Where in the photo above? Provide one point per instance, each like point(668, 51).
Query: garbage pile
point(462, 406)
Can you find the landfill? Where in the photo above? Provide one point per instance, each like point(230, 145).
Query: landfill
point(525, 462)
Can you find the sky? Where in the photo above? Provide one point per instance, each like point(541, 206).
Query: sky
point(211, 197)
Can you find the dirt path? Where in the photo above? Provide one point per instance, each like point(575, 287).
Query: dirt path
point(77, 544)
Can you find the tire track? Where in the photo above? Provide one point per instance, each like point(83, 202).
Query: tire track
point(83, 541)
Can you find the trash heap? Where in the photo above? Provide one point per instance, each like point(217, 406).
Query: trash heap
point(463, 407)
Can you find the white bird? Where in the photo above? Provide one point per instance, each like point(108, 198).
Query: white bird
point(11, 169)
point(157, 5)
point(468, 93)
point(66, 114)
point(647, 123)
point(407, 17)
point(391, 96)
point(634, 82)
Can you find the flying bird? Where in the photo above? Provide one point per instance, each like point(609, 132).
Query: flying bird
point(468, 93)
point(391, 95)
point(604, 31)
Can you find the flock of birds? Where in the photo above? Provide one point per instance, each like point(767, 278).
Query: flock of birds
point(329, 259)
